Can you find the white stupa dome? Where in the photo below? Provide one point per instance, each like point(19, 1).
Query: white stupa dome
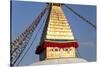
point(60, 61)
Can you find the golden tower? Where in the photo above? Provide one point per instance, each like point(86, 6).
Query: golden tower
point(57, 40)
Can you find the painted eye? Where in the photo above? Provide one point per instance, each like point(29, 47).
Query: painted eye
point(66, 49)
point(56, 49)
point(51, 50)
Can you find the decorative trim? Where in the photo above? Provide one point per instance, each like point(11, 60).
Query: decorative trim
point(46, 44)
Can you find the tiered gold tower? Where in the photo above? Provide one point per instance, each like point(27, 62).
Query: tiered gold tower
point(58, 42)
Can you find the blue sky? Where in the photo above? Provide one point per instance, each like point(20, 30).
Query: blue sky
point(23, 13)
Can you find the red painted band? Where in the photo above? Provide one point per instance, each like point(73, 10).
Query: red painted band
point(54, 44)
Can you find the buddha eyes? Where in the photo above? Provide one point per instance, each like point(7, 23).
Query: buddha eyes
point(58, 49)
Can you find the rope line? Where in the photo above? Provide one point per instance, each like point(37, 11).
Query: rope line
point(33, 39)
point(20, 50)
point(80, 16)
